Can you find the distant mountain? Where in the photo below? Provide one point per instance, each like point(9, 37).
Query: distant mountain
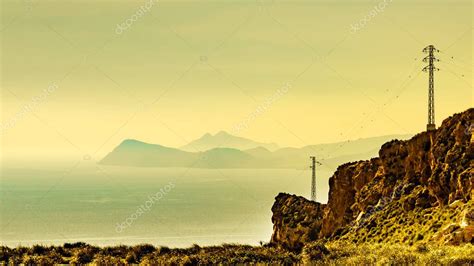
point(137, 153)
point(141, 154)
point(225, 140)
point(332, 154)
point(224, 158)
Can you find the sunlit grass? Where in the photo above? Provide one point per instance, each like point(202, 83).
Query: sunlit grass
point(344, 253)
point(330, 253)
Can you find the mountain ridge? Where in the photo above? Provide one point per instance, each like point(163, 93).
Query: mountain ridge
point(224, 139)
point(131, 152)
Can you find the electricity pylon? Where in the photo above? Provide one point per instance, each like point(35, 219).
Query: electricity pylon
point(313, 177)
point(430, 68)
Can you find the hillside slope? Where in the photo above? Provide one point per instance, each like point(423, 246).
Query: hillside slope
point(141, 154)
point(416, 190)
point(137, 153)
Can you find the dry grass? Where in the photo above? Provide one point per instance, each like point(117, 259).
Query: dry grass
point(393, 225)
point(318, 253)
point(343, 253)
point(80, 253)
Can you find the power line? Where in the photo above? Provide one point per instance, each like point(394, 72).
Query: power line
point(457, 60)
point(459, 76)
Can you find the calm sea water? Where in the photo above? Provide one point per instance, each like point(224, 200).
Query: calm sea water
point(85, 202)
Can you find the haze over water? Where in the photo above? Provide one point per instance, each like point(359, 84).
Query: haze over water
point(295, 73)
point(43, 205)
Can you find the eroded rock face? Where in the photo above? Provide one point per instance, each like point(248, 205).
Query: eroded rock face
point(452, 159)
point(296, 221)
point(461, 230)
point(429, 171)
point(345, 187)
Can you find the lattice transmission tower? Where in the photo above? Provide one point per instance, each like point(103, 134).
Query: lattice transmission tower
point(313, 177)
point(430, 68)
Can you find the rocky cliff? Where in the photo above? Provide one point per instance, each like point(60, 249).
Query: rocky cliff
point(296, 221)
point(416, 190)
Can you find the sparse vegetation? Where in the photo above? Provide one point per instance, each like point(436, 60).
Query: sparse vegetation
point(394, 225)
point(346, 253)
point(319, 253)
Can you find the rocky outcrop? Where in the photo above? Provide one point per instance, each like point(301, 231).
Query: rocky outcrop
point(345, 187)
point(425, 174)
point(461, 230)
point(296, 221)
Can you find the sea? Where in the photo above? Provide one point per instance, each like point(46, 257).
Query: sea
point(175, 207)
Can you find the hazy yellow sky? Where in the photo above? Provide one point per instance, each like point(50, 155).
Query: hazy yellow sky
point(78, 77)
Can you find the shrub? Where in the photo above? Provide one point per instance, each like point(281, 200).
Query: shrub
point(164, 250)
point(38, 250)
point(85, 255)
point(319, 252)
point(314, 251)
point(75, 245)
